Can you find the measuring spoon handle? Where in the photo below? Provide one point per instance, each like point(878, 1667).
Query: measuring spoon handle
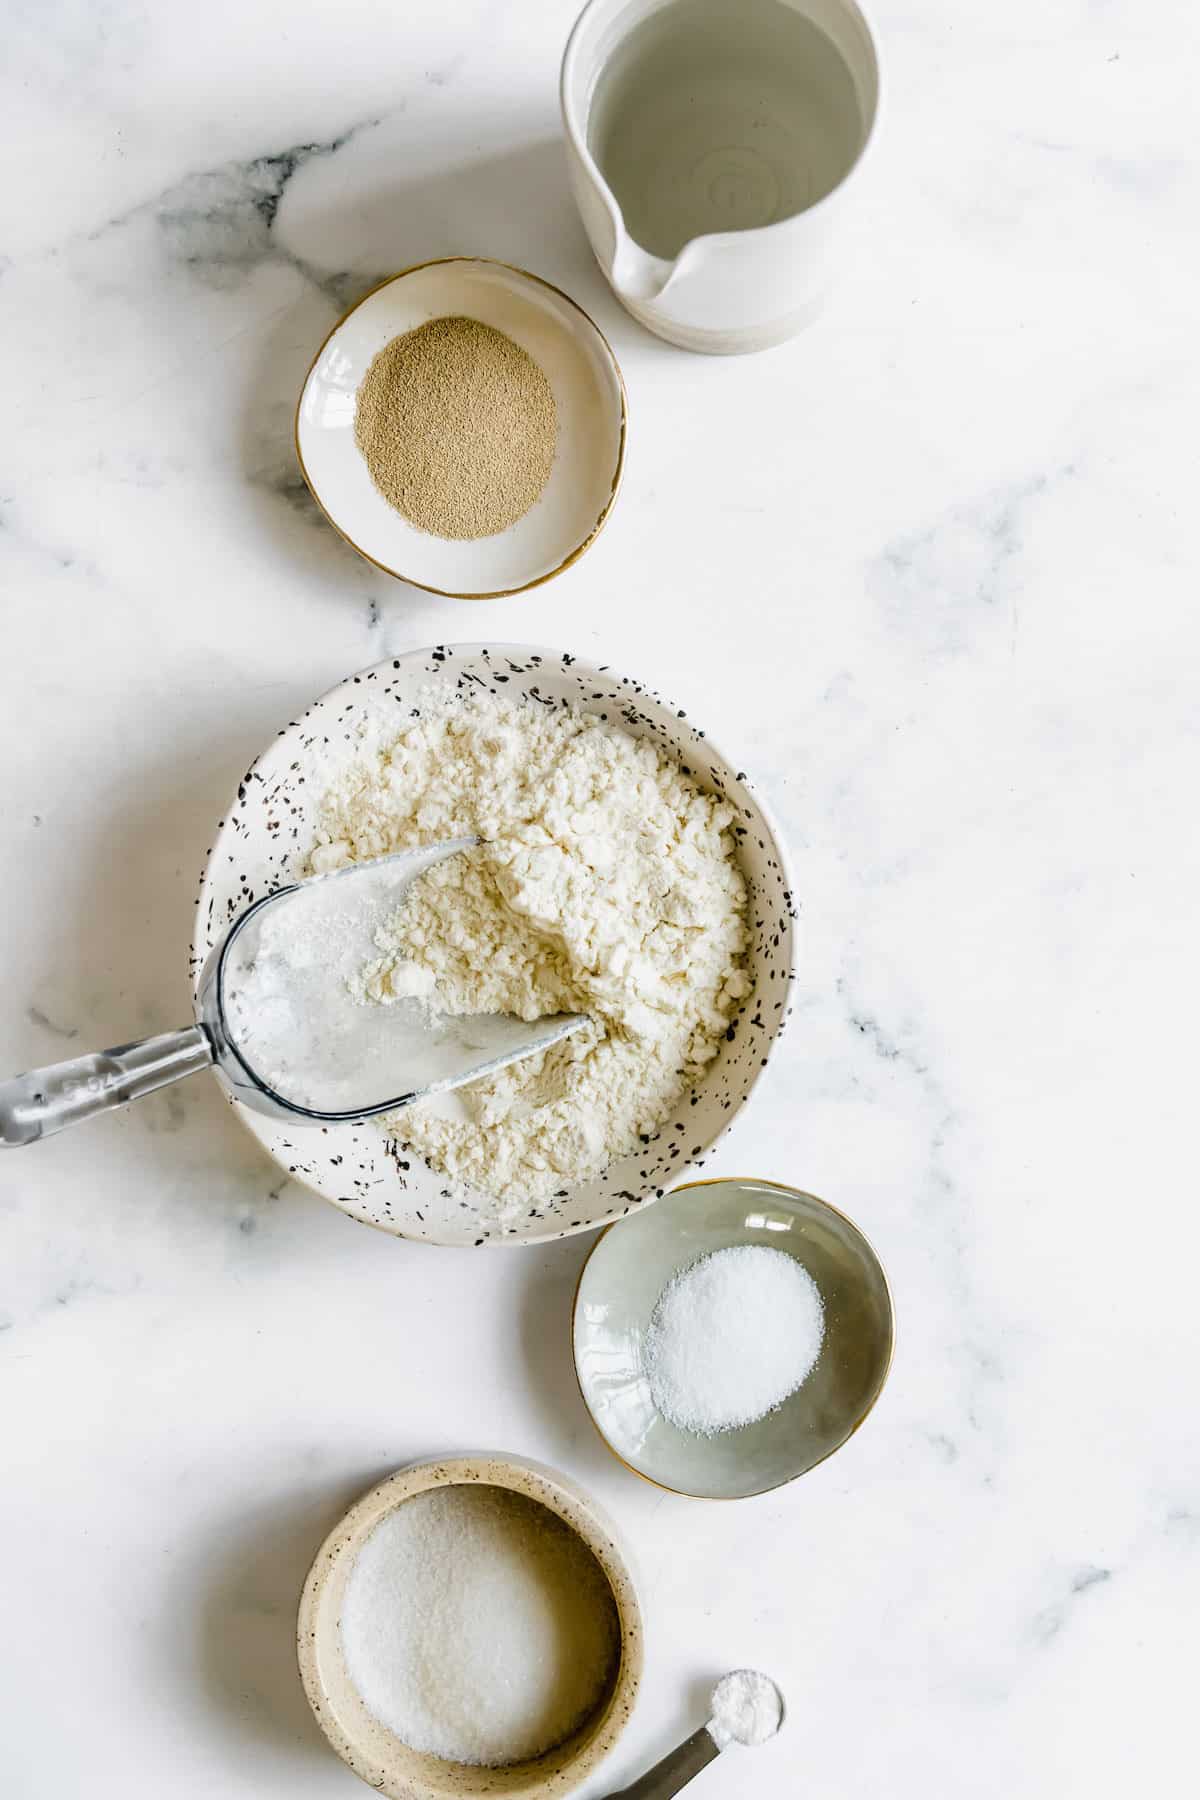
point(44, 1101)
point(676, 1769)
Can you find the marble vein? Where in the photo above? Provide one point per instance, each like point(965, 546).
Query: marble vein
point(929, 574)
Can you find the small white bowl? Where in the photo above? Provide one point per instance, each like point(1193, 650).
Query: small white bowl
point(377, 1754)
point(589, 456)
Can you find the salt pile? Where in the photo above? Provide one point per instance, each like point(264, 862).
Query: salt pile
point(731, 1337)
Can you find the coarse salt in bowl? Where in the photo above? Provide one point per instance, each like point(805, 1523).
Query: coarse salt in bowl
point(265, 840)
point(819, 1404)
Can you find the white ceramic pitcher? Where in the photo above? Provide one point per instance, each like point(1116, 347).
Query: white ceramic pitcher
point(710, 145)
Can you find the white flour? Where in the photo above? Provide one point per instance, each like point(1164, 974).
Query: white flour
point(606, 884)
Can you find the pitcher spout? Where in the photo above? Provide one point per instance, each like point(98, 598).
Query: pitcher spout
point(636, 275)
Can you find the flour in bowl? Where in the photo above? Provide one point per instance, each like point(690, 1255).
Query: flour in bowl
point(606, 883)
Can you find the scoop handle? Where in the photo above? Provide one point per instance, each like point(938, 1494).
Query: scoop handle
point(44, 1101)
point(676, 1769)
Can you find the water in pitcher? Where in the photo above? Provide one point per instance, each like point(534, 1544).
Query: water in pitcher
point(722, 115)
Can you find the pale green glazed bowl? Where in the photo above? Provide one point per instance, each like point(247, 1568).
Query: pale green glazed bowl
point(626, 1272)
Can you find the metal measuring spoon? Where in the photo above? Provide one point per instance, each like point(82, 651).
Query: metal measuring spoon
point(373, 1059)
point(747, 1708)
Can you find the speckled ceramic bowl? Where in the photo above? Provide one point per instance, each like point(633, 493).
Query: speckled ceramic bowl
point(266, 837)
point(619, 1286)
point(376, 1753)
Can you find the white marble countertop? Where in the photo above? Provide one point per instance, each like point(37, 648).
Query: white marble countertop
point(932, 569)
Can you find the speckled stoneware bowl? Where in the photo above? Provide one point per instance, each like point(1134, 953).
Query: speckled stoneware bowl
point(266, 837)
point(376, 1753)
point(619, 1287)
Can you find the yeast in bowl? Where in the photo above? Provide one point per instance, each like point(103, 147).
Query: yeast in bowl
point(589, 450)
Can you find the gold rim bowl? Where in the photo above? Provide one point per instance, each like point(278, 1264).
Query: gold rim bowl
point(627, 1269)
point(589, 457)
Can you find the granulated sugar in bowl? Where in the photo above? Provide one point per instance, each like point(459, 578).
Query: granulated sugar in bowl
point(471, 1628)
point(479, 1627)
point(279, 818)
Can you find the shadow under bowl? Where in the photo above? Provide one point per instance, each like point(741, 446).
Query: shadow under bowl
point(620, 1284)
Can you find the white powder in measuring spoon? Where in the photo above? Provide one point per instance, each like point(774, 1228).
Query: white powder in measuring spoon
point(478, 1626)
point(747, 1708)
point(731, 1337)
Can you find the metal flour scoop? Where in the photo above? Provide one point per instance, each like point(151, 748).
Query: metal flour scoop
point(277, 1020)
